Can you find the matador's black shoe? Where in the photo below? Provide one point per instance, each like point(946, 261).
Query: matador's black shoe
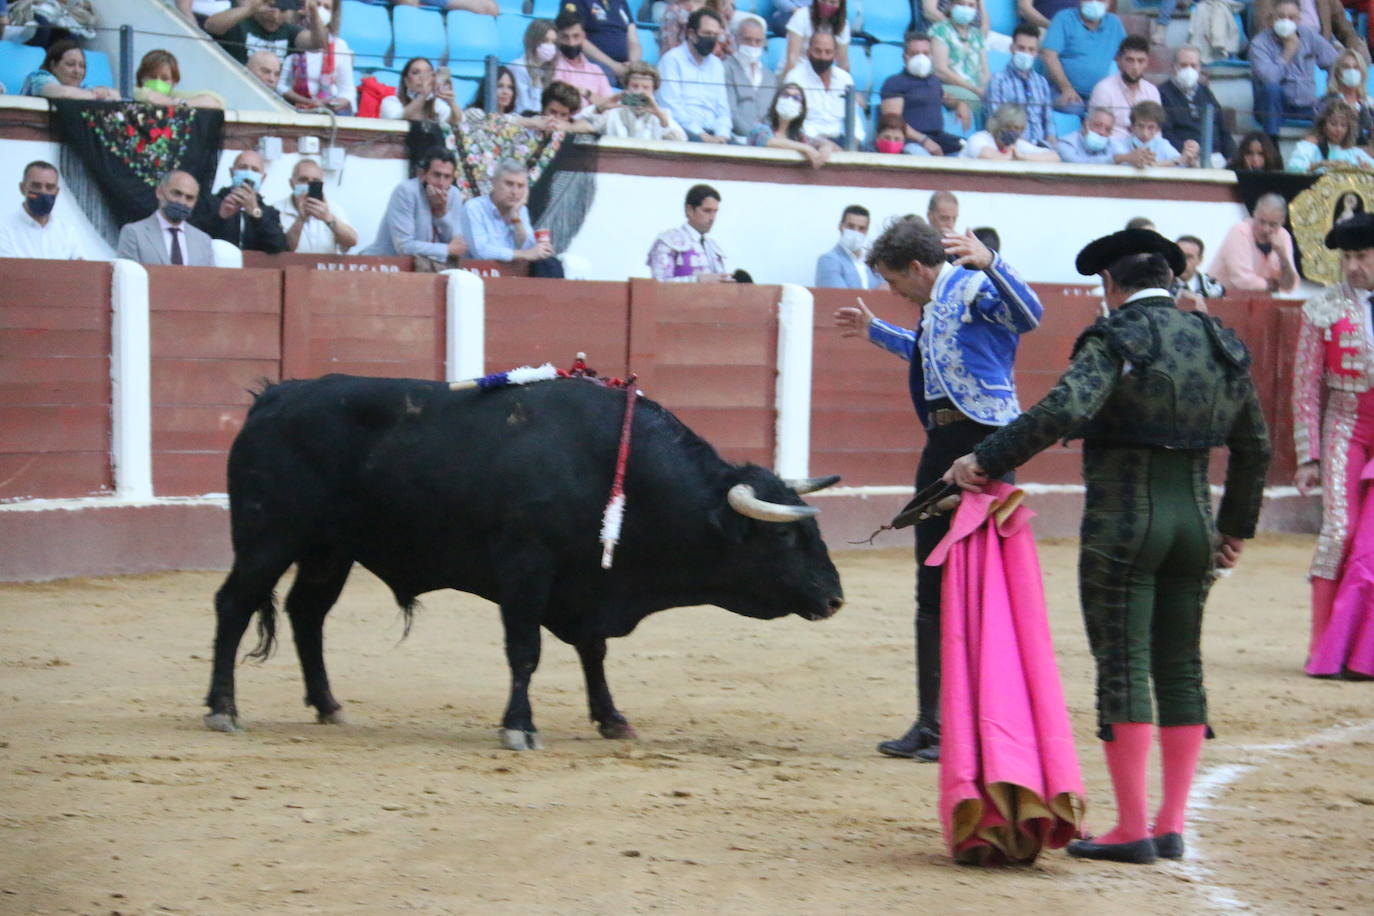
point(921, 742)
point(1169, 846)
point(1137, 852)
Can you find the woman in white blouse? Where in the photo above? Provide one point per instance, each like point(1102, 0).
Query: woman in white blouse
point(310, 79)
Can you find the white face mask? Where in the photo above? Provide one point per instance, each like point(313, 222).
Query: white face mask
point(1093, 10)
point(749, 54)
point(1284, 28)
point(324, 14)
point(852, 240)
point(1352, 77)
point(919, 66)
point(1186, 77)
point(545, 51)
point(788, 108)
point(1023, 61)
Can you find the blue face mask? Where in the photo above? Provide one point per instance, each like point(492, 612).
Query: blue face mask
point(1023, 61)
point(40, 205)
point(1093, 10)
point(245, 176)
point(1094, 142)
point(300, 190)
point(962, 15)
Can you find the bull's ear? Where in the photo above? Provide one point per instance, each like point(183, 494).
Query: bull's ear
point(731, 525)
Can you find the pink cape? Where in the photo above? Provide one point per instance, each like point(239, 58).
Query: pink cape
point(1009, 778)
point(1348, 640)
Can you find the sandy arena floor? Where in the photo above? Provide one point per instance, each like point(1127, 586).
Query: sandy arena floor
point(753, 788)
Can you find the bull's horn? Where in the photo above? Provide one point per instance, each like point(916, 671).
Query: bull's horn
point(742, 499)
point(806, 485)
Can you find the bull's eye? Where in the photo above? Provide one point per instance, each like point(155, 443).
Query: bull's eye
point(786, 534)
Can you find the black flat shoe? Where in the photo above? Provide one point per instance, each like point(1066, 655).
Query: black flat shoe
point(1139, 852)
point(921, 742)
point(1169, 846)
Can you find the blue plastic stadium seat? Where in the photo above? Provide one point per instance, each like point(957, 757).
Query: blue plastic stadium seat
point(511, 6)
point(16, 62)
point(776, 52)
point(860, 68)
point(471, 37)
point(419, 33)
point(1002, 15)
point(886, 61)
point(390, 78)
point(998, 61)
point(887, 21)
point(510, 35)
point(546, 9)
point(648, 45)
point(465, 90)
point(1065, 124)
point(98, 70)
point(367, 29)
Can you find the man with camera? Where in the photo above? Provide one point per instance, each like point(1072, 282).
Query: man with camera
point(238, 214)
point(634, 112)
point(255, 25)
point(316, 226)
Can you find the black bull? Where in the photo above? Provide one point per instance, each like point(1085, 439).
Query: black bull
point(499, 494)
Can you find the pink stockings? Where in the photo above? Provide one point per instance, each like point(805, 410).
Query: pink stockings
point(1323, 599)
point(1127, 760)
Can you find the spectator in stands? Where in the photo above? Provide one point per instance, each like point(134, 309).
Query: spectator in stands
point(1332, 140)
point(481, 7)
point(782, 13)
point(156, 81)
point(1257, 253)
point(63, 76)
point(1347, 83)
point(672, 28)
point(200, 10)
point(635, 113)
point(505, 93)
point(1141, 222)
point(843, 267)
point(612, 39)
point(959, 52)
point(693, 84)
point(825, 86)
point(1255, 153)
point(420, 96)
point(1078, 50)
point(1186, 102)
point(1193, 280)
point(262, 25)
point(942, 211)
point(1003, 138)
point(533, 70)
point(497, 227)
point(167, 236)
point(1089, 144)
point(1019, 83)
point(311, 79)
point(33, 231)
point(266, 66)
point(1282, 62)
point(1325, 16)
point(749, 84)
point(573, 66)
point(1145, 146)
point(1039, 12)
point(891, 134)
point(933, 11)
point(784, 127)
point(729, 16)
point(239, 215)
point(1123, 90)
point(918, 98)
point(424, 215)
point(820, 14)
point(685, 254)
point(314, 226)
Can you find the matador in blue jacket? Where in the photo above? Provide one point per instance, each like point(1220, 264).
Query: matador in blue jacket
point(973, 310)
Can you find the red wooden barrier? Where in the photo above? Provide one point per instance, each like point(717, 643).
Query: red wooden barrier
point(530, 322)
point(216, 334)
point(54, 379)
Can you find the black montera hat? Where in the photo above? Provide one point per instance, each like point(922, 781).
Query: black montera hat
point(1106, 251)
point(1352, 234)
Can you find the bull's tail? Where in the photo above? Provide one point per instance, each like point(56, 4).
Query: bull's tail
point(267, 629)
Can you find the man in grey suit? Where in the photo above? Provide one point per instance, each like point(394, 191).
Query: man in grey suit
point(167, 237)
point(424, 217)
point(749, 84)
point(843, 267)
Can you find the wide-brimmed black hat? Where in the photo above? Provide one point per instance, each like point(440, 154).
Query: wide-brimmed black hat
point(1106, 251)
point(1352, 234)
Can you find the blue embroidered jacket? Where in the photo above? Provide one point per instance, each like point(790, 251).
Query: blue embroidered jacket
point(968, 337)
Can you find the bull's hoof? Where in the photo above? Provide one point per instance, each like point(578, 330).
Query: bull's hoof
point(331, 718)
point(516, 739)
point(222, 722)
point(616, 730)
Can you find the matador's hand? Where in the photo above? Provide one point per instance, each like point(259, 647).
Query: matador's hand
point(1228, 551)
point(967, 474)
point(1308, 477)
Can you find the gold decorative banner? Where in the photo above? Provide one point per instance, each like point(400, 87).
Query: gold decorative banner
point(1339, 194)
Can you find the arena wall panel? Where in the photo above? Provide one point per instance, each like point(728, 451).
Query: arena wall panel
point(54, 380)
point(216, 335)
point(531, 321)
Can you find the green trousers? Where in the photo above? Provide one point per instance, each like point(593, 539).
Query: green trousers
point(1144, 568)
